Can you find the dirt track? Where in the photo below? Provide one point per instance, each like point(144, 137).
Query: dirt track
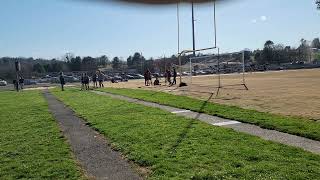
point(295, 92)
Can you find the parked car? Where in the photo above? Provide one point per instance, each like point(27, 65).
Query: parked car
point(30, 82)
point(71, 79)
point(139, 76)
point(107, 78)
point(185, 73)
point(202, 72)
point(54, 80)
point(155, 75)
point(3, 82)
point(117, 78)
point(129, 77)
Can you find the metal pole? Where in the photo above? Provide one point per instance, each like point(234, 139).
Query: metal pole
point(190, 71)
point(178, 21)
point(165, 69)
point(17, 82)
point(215, 24)
point(193, 36)
point(180, 68)
point(243, 67)
point(219, 78)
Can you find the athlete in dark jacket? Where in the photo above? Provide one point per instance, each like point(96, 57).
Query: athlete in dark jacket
point(62, 81)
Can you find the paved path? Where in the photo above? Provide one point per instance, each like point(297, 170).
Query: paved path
point(276, 136)
point(89, 147)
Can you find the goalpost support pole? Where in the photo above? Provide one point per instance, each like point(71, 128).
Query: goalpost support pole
point(243, 70)
point(219, 76)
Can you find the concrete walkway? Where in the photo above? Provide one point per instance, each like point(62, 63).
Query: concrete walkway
point(272, 135)
point(89, 147)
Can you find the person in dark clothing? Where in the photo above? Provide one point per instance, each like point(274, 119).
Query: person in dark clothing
point(174, 82)
point(94, 80)
point(21, 82)
point(82, 81)
point(146, 78)
point(169, 77)
point(86, 81)
point(15, 85)
point(156, 82)
point(100, 76)
point(62, 81)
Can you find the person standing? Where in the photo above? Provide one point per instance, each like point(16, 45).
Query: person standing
point(165, 77)
point(62, 81)
point(169, 77)
point(100, 79)
point(146, 78)
point(86, 81)
point(15, 85)
point(149, 78)
point(94, 80)
point(82, 81)
point(174, 82)
point(21, 82)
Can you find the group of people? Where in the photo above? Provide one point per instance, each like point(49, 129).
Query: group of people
point(172, 74)
point(168, 75)
point(147, 78)
point(97, 77)
point(18, 84)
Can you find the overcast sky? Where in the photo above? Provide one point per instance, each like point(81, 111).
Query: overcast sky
point(50, 28)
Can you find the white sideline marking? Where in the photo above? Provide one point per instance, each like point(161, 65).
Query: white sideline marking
point(177, 112)
point(226, 123)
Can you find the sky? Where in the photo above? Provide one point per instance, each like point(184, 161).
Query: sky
point(51, 28)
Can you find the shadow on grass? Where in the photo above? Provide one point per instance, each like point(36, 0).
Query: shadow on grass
point(204, 104)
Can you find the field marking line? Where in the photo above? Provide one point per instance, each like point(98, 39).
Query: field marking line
point(226, 123)
point(183, 111)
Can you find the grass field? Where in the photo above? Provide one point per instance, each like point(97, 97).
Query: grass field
point(294, 93)
point(31, 145)
point(180, 148)
point(292, 125)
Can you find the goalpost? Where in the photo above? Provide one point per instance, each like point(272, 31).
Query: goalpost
point(218, 69)
point(214, 66)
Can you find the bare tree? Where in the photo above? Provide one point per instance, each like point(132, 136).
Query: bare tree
point(67, 57)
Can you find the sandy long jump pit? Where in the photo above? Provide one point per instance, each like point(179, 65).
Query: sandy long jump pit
point(293, 92)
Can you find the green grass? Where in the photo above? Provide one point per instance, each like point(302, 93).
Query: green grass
point(31, 145)
point(292, 125)
point(175, 147)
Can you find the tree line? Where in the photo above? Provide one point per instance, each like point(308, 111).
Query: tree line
point(278, 53)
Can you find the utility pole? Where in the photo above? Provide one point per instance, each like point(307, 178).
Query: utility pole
point(178, 25)
point(193, 37)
